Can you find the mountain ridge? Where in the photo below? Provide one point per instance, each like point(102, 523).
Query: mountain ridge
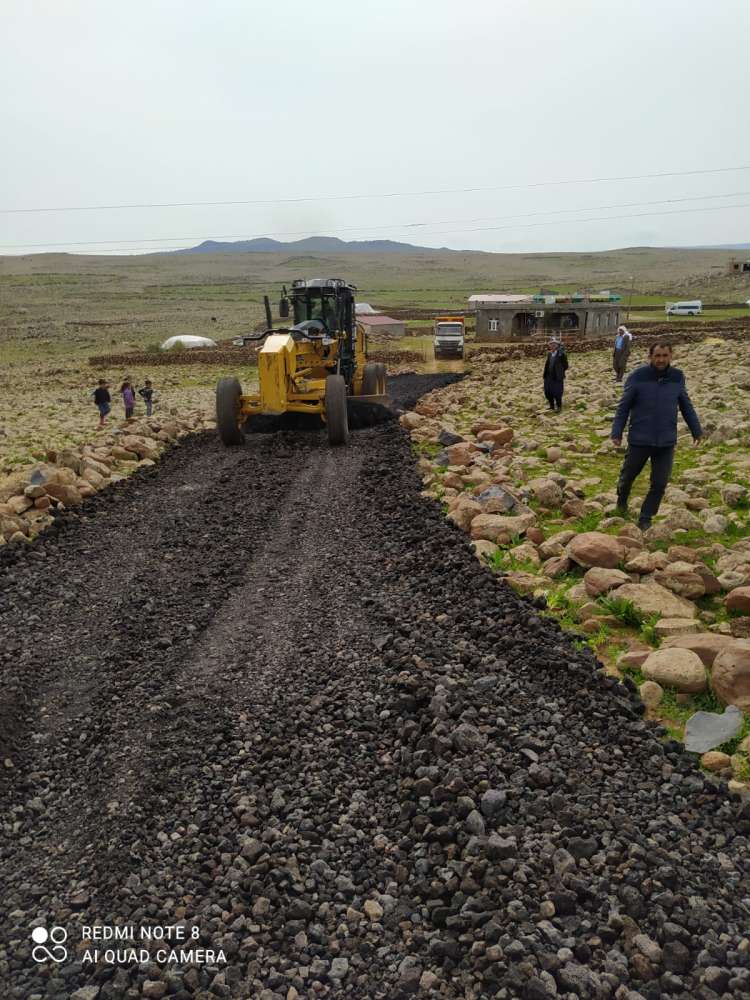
point(311, 244)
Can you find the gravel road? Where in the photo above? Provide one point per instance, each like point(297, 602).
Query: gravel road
point(268, 698)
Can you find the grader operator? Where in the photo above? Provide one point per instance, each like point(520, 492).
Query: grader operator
point(317, 366)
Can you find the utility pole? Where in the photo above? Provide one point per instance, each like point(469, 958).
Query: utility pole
point(630, 297)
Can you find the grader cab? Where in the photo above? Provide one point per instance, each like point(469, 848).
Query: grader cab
point(317, 366)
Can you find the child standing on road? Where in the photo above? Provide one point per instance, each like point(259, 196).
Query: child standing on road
point(103, 400)
point(147, 394)
point(128, 398)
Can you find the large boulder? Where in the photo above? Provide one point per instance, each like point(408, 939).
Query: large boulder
point(464, 512)
point(707, 730)
point(555, 544)
point(497, 500)
point(739, 600)
point(730, 677)
point(499, 437)
point(524, 583)
point(145, 448)
point(680, 519)
point(18, 504)
point(653, 599)
point(69, 495)
point(667, 627)
point(547, 492)
point(594, 548)
point(12, 485)
point(680, 669)
point(410, 420)
point(707, 645)
point(599, 580)
point(556, 566)
point(682, 578)
point(499, 529)
point(463, 453)
point(733, 493)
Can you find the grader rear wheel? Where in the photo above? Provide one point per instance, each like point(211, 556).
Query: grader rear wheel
point(381, 378)
point(228, 393)
point(370, 377)
point(336, 415)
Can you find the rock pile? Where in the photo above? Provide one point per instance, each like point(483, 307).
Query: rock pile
point(31, 498)
point(544, 513)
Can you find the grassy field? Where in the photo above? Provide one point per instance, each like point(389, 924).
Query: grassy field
point(59, 305)
point(56, 310)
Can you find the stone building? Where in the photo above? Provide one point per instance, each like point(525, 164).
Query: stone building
point(514, 317)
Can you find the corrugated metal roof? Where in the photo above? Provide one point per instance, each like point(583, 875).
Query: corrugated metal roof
point(379, 320)
point(492, 297)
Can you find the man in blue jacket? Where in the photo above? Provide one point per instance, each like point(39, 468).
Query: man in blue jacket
point(652, 396)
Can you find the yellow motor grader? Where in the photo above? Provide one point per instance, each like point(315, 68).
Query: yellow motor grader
point(317, 366)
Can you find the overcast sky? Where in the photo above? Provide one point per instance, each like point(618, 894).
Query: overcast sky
point(107, 103)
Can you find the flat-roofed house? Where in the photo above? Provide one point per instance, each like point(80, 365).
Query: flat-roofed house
point(502, 316)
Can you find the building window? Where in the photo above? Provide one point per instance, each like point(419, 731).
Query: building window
point(492, 327)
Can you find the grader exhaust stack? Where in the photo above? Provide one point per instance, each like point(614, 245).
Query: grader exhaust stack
point(317, 366)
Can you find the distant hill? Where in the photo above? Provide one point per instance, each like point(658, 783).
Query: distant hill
point(313, 244)
point(716, 246)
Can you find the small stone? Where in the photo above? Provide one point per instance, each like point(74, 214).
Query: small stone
point(651, 693)
point(154, 989)
point(86, 993)
point(373, 909)
point(714, 760)
point(492, 803)
point(339, 968)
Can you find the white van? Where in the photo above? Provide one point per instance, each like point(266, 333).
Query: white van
point(684, 308)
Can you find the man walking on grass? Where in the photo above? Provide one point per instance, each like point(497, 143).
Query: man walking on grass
point(555, 367)
point(623, 343)
point(652, 396)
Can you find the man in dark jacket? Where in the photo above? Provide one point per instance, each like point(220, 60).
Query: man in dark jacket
point(652, 396)
point(555, 366)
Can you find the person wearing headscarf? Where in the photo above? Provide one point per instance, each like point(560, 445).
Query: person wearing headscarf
point(623, 343)
point(555, 367)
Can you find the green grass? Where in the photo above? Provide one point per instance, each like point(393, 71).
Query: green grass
point(623, 609)
point(588, 522)
point(631, 617)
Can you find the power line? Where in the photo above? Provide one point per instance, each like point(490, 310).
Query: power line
point(390, 194)
point(392, 227)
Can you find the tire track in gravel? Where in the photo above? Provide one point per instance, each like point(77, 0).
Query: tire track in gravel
point(141, 570)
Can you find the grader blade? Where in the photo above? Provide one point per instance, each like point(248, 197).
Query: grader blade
point(366, 411)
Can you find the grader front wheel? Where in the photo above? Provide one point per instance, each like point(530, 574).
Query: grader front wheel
point(336, 415)
point(228, 393)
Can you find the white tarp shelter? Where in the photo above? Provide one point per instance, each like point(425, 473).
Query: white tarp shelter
point(187, 341)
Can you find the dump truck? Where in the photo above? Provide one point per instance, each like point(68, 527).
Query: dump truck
point(448, 337)
point(317, 366)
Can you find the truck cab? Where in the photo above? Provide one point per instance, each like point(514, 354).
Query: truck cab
point(448, 336)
